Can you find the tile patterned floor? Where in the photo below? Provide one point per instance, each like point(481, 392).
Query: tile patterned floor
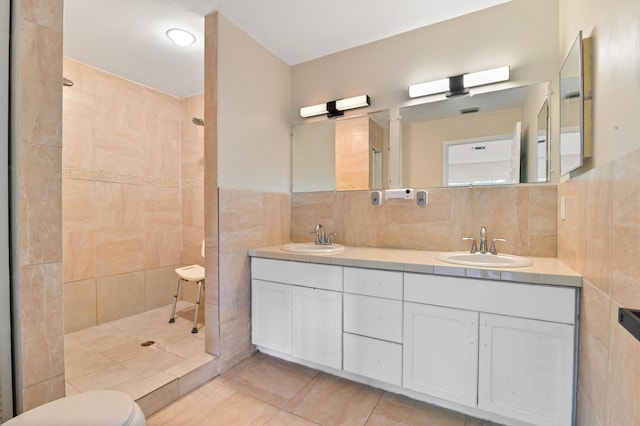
point(110, 355)
point(267, 391)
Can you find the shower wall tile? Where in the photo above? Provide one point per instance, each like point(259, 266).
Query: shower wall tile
point(162, 207)
point(77, 128)
point(159, 286)
point(120, 296)
point(83, 77)
point(193, 207)
point(78, 253)
point(119, 251)
point(192, 237)
point(79, 305)
point(45, 13)
point(162, 246)
point(119, 206)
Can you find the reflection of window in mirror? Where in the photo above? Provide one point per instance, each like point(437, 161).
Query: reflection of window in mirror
point(483, 161)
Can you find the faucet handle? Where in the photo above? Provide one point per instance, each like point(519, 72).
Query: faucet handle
point(474, 247)
point(492, 250)
point(329, 237)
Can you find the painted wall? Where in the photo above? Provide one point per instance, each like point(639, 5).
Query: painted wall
point(600, 234)
point(254, 146)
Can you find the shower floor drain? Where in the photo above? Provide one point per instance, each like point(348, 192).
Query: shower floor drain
point(147, 343)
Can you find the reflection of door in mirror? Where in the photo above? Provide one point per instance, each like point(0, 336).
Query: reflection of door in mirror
point(483, 161)
point(542, 144)
point(359, 143)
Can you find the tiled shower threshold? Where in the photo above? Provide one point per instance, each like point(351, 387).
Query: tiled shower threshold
point(119, 355)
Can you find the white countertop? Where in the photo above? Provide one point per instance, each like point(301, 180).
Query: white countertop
point(543, 270)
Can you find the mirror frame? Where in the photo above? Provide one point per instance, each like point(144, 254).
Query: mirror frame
point(567, 98)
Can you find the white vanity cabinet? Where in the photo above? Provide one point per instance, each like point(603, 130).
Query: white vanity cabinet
point(297, 309)
point(373, 324)
point(513, 343)
point(441, 352)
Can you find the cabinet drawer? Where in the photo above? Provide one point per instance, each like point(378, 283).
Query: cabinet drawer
point(372, 282)
point(327, 277)
point(373, 317)
point(373, 358)
point(543, 302)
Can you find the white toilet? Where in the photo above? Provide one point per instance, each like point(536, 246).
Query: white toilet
point(95, 408)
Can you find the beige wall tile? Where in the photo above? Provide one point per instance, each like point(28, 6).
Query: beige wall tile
point(354, 220)
point(119, 251)
point(46, 13)
point(79, 253)
point(162, 246)
point(543, 230)
point(78, 202)
point(119, 205)
point(594, 349)
point(43, 392)
point(191, 245)
point(308, 209)
point(120, 296)
point(82, 75)
point(193, 207)
point(41, 322)
point(624, 370)
point(79, 305)
point(162, 206)
point(77, 129)
point(40, 204)
point(40, 79)
point(159, 286)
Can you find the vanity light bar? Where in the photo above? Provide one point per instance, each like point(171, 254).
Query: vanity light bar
point(451, 84)
point(310, 111)
point(334, 108)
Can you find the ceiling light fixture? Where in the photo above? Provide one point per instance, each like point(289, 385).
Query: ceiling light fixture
point(459, 84)
point(181, 37)
point(337, 107)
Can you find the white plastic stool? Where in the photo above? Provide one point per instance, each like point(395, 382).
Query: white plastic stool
point(194, 273)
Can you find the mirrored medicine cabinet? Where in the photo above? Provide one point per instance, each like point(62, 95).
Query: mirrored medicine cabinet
point(575, 106)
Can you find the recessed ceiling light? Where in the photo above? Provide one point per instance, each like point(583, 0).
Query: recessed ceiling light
point(181, 37)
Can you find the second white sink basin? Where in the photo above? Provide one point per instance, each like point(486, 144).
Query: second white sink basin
point(484, 259)
point(312, 248)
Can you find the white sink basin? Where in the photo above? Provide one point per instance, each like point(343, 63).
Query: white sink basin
point(485, 260)
point(312, 248)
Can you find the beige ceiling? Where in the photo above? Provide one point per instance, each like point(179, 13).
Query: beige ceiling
point(127, 37)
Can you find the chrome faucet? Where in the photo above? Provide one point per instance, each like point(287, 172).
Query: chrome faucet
point(483, 243)
point(322, 238)
point(483, 240)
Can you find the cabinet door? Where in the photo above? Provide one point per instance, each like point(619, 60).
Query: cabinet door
point(317, 326)
point(271, 315)
point(526, 369)
point(441, 352)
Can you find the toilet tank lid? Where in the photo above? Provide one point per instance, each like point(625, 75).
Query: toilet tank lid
point(96, 408)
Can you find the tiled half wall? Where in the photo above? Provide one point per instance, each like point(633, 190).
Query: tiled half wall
point(525, 215)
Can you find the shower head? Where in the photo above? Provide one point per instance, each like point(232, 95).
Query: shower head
point(67, 82)
point(197, 121)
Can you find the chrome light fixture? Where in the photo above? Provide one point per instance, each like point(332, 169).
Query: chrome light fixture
point(337, 107)
point(459, 84)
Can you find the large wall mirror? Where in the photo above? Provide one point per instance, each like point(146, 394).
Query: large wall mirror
point(486, 139)
point(344, 154)
point(574, 117)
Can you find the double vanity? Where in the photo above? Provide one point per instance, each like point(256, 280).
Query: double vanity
point(497, 342)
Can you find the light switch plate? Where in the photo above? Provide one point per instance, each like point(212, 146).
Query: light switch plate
point(376, 198)
point(422, 198)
